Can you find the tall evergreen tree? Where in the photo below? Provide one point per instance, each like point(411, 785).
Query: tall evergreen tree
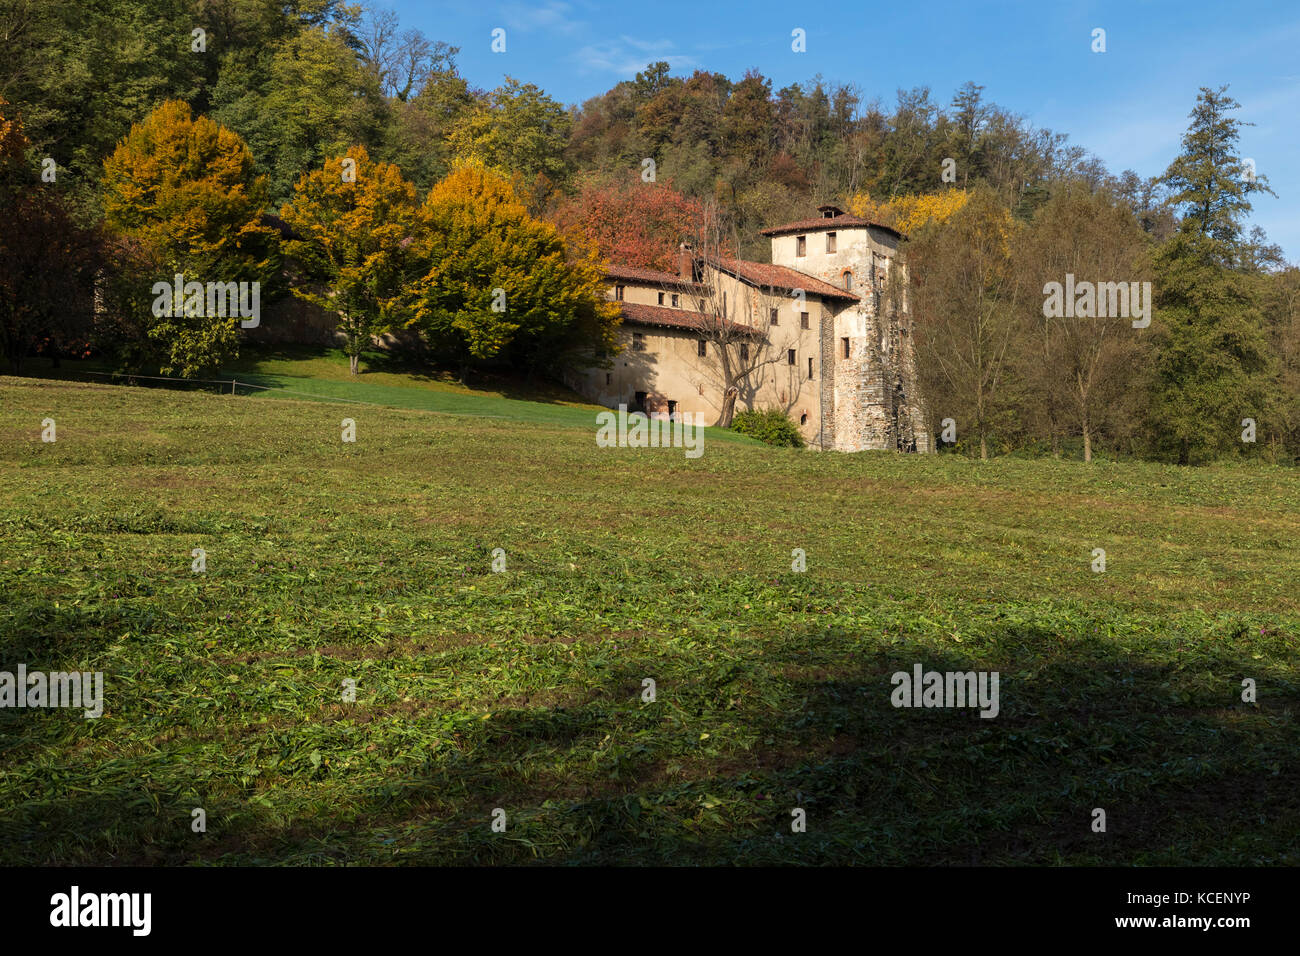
point(1210, 183)
point(1214, 368)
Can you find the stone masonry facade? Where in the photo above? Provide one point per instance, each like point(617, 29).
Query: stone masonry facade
point(821, 342)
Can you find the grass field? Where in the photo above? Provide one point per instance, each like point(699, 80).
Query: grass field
point(309, 373)
point(522, 690)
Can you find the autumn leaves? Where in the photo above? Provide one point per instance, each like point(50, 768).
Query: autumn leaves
point(469, 268)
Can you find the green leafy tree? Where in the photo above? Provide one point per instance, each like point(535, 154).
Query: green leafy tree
point(317, 98)
point(1214, 367)
point(747, 118)
point(355, 221)
point(415, 137)
point(82, 73)
point(965, 134)
point(518, 131)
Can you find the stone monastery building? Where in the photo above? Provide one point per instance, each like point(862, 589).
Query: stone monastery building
point(808, 334)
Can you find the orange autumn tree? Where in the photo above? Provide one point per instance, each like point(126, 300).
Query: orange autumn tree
point(355, 220)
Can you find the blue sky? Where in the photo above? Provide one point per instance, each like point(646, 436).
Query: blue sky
point(1128, 105)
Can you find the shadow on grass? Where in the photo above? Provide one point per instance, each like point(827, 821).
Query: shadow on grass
point(1186, 773)
point(411, 361)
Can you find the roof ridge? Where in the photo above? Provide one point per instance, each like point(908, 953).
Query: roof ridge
point(814, 285)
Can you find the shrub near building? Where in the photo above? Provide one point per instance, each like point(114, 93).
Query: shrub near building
point(772, 426)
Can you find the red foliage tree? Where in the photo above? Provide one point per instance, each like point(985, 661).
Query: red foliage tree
point(633, 223)
point(47, 262)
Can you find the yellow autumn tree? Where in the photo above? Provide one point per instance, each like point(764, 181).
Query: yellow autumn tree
point(908, 214)
point(355, 222)
point(186, 187)
point(502, 285)
point(183, 192)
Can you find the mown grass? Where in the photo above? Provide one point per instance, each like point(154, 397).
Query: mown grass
point(522, 690)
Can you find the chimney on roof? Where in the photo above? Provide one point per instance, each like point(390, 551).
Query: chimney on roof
point(685, 262)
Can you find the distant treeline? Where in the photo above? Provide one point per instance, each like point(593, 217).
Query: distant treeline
point(994, 208)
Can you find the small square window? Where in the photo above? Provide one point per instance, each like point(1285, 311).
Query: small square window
point(790, 356)
point(846, 347)
point(803, 320)
point(702, 348)
point(801, 246)
point(810, 374)
point(618, 293)
point(771, 315)
point(638, 342)
point(744, 353)
point(661, 298)
point(674, 300)
point(830, 242)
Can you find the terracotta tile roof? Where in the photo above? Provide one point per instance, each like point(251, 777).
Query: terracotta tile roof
point(658, 316)
point(845, 220)
point(649, 277)
point(783, 278)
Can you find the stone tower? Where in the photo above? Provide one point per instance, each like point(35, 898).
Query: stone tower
point(870, 358)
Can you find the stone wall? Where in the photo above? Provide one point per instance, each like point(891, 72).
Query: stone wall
point(874, 401)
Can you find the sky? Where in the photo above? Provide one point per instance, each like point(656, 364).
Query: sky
point(1128, 105)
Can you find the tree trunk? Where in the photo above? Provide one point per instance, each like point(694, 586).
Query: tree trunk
point(728, 407)
point(354, 362)
point(984, 448)
point(1087, 441)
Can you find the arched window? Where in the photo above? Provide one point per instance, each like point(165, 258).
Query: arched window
point(848, 281)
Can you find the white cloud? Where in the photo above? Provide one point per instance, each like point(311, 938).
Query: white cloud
point(553, 15)
point(629, 56)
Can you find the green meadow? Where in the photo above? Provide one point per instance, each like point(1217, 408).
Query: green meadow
point(369, 565)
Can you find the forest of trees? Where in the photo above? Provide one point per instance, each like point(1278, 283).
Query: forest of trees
point(144, 137)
